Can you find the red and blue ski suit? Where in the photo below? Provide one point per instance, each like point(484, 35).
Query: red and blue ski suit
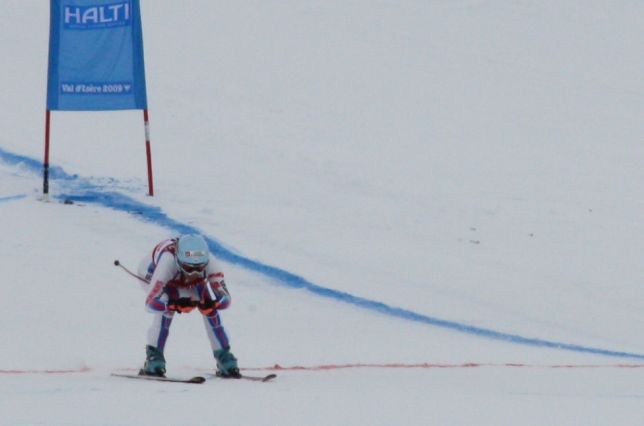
point(169, 291)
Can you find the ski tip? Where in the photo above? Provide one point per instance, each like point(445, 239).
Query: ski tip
point(197, 379)
point(266, 378)
point(269, 377)
point(253, 378)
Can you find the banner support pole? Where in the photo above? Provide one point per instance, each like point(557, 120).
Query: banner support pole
point(148, 151)
point(45, 183)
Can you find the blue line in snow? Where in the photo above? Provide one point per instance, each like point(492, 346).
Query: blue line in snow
point(87, 192)
point(34, 165)
point(12, 197)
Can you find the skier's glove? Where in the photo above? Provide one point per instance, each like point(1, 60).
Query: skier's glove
point(214, 297)
point(181, 305)
point(207, 307)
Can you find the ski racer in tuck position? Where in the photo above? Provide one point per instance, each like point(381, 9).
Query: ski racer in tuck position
point(182, 275)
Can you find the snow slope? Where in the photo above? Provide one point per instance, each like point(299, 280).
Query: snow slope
point(432, 208)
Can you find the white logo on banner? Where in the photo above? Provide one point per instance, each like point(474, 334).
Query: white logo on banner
point(91, 17)
point(69, 88)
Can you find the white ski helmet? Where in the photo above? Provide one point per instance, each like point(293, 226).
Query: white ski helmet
point(192, 254)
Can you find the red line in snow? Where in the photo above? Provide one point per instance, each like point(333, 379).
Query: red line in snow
point(327, 367)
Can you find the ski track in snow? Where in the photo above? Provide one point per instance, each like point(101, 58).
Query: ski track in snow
point(86, 190)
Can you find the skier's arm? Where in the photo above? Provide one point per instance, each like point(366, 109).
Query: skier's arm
point(217, 286)
point(157, 299)
point(215, 295)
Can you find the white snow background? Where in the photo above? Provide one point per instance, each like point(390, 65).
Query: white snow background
point(439, 202)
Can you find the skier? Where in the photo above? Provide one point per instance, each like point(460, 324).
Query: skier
point(182, 275)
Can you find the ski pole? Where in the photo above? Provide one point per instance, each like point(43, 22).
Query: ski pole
point(117, 263)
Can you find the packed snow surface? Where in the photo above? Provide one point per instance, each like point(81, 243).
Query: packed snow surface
point(428, 212)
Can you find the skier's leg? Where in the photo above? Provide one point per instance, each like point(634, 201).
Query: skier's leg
point(216, 333)
point(157, 336)
point(159, 330)
point(226, 361)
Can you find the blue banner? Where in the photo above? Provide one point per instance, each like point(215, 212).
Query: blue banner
point(96, 56)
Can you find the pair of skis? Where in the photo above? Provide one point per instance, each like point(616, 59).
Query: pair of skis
point(195, 379)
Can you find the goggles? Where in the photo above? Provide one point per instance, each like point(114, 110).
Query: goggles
point(192, 269)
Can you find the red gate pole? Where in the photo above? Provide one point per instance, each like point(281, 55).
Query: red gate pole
point(148, 151)
point(45, 183)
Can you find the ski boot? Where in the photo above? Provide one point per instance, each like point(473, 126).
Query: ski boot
point(154, 363)
point(227, 364)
